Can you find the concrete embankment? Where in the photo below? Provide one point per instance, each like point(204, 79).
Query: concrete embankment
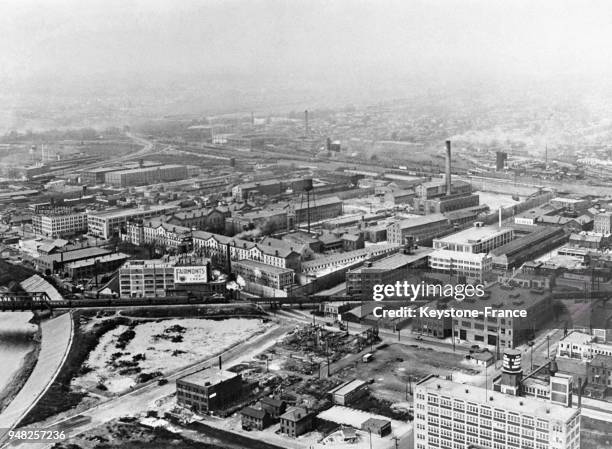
point(56, 337)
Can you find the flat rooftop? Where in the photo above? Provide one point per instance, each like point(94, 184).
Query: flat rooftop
point(131, 211)
point(397, 260)
point(518, 404)
point(474, 235)
point(262, 266)
point(348, 387)
point(212, 376)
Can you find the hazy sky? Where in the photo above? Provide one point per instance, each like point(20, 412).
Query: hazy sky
point(305, 39)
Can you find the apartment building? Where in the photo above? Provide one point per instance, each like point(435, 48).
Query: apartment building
point(59, 222)
point(452, 415)
point(273, 252)
point(107, 223)
point(157, 232)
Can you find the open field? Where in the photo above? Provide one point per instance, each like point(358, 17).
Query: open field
point(130, 353)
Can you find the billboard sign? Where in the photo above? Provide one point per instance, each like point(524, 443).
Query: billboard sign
point(190, 275)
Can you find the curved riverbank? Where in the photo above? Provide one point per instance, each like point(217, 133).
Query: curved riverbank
point(55, 342)
point(15, 383)
point(19, 347)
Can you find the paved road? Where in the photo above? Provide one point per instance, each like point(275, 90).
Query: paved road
point(144, 398)
point(56, 340)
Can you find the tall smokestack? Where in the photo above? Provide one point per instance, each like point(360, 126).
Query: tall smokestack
point(306, 123)
point(448, 167)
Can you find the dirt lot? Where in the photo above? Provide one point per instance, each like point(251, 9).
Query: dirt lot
point(395, 365)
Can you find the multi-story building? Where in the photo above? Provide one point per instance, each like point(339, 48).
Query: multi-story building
point(144, 176)
point(503, 332)
point(157, 277)
point(296, 421)
point(59, 222)
point(472, 266)
point(95, 265)
point(466, 252)
point(599, 372)
point(477, 239)
point(603, 223)
point(320, 209)
point(570, 204)
point(208, 390)
point(217, 247)
point(482, 328)
point(420, 229)
point(361, 281)
point(106, 223)
point(582, 346)
point(157, 232)
point(264, 274)
point(435, 189)
point(454, 415)
point(444, 204)
point(202, 220)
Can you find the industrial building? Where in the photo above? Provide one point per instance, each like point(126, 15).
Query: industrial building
point(107, 223)
point(158, 277)
point(451, 414)
point(208, 390)
point(317, 210)
point(477, 239)
point(145, 175)
point(528, 247)
point(57, 261)
point(445, 204)
point(360, 281)
point(349, 392)
point(94, 266)
point(471, 265)
point(490, 331)
point(420, 229)
point(263, 274)
point(501, 158)
point(202, 219)
point(466, 252)
point(603, 223)
point(59, 222)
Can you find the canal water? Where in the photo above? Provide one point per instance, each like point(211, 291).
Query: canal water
point(15, 342)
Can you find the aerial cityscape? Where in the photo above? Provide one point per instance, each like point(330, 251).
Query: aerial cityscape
point(305, 225)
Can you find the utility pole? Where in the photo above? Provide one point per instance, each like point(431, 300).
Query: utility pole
point(396, 439)
point(548, 346)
